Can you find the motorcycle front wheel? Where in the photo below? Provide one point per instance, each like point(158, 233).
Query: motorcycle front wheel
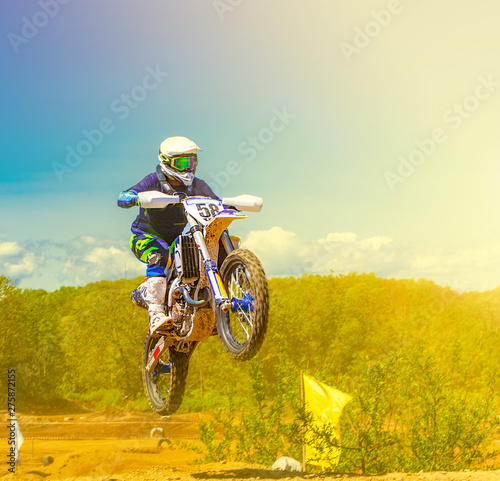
point(165, 386)
point(242, 329)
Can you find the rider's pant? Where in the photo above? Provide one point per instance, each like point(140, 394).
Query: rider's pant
point(153, 251)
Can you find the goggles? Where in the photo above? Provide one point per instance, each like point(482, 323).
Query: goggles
point(181, 163)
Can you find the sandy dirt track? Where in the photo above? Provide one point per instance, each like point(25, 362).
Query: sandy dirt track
point(131, 454)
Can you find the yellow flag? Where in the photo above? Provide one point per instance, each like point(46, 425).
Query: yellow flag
point(326, 404)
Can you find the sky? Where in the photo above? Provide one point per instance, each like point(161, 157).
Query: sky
point(370, 129)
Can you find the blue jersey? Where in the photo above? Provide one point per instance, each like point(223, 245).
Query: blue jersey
point(168, 222)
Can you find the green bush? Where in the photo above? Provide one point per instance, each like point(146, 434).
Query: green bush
point(266, 430)
point(407, 416)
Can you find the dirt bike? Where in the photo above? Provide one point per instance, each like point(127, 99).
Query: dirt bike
point(215, 287)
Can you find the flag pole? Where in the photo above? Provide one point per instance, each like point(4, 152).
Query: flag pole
point(302, 405)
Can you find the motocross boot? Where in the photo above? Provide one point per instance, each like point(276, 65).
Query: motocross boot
point(154, 290)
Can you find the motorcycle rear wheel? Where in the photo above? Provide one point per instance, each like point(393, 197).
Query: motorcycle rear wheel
point(165, 386)
point(242, 332)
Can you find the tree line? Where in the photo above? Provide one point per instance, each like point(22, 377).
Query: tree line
point(86, 343)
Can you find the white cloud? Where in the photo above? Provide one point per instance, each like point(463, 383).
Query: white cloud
point(49, 265)
point(23, 268)
point(86, 239)
point(113, 259)
point(99, 255)
point(285, 253)
point(375, 243)
point(9, 249)
point(344, 237)
point(276, 248)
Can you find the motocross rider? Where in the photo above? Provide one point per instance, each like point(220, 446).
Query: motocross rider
point(154, 230)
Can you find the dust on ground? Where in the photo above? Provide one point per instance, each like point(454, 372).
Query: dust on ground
point(132, 455)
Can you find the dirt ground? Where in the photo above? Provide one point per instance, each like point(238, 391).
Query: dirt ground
point(82, 450)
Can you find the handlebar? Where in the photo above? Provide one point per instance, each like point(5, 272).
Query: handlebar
point(158, 200)
point(153, 199)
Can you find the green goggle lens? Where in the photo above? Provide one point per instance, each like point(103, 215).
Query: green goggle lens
point(181, 163)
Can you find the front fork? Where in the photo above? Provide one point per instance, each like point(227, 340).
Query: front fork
point(216, 284)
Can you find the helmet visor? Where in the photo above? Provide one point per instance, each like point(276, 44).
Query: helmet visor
point(182, 162)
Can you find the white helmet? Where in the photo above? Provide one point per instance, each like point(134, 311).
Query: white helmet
point(178, 159)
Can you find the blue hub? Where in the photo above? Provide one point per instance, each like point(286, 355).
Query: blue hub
point(245, 304)
point(162, 369)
